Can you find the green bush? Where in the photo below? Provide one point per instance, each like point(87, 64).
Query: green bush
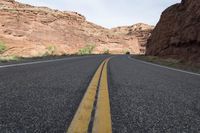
point(86, 50)
point(2, 47)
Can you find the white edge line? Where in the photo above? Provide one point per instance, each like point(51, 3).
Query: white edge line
point(169, 68)
point(38, 62)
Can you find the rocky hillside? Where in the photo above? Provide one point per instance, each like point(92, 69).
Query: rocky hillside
point(177, 34)
point(34, 31)
point(141, 31)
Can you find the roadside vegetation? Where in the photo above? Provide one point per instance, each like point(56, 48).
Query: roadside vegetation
point(51, 50)
point(88, 49)
point(9, 58)
point(174, 63)
point(2, 47)
point(106, 51)
point(12, 10)
point(50, 53)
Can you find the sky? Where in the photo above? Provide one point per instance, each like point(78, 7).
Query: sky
point(111, 13)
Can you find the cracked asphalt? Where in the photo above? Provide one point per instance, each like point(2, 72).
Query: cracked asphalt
point(43, 97)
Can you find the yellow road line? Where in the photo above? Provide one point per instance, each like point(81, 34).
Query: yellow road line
point(102, 121)
point(82, 117)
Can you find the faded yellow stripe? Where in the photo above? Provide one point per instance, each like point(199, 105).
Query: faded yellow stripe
point(102, 122)
point(82, 117)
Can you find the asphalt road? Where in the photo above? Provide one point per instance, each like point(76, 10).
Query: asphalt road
point(43, 97)
point(150, 99)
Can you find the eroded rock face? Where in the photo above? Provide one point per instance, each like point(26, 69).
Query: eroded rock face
point(140, 31)
point(177, 34)
point(31, 31)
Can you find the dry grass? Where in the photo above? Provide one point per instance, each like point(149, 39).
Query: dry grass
point(9, 58)
point(174, 63)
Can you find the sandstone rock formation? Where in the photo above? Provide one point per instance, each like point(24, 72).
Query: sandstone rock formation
point(141, 31)
point(177, 34)
point(31, 31)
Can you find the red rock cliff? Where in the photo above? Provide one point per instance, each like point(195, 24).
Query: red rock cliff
point(177, 34)
point(31, 31)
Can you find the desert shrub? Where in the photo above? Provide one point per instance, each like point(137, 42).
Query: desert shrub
point(127, 52)
point(9, 58)
point(50, 50)
point(86, 50)
point(12, 10)
point(2, 47)
point(107, 51)
point(65, 54)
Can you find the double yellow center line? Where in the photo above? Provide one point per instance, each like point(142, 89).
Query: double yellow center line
point(102, 118)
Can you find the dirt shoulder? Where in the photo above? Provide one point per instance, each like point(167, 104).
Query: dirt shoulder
point(174, 63)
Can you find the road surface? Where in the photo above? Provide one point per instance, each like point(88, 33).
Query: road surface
point(98, 94)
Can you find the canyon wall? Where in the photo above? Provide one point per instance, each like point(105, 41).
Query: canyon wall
point(177, 34)
point(31, 31)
